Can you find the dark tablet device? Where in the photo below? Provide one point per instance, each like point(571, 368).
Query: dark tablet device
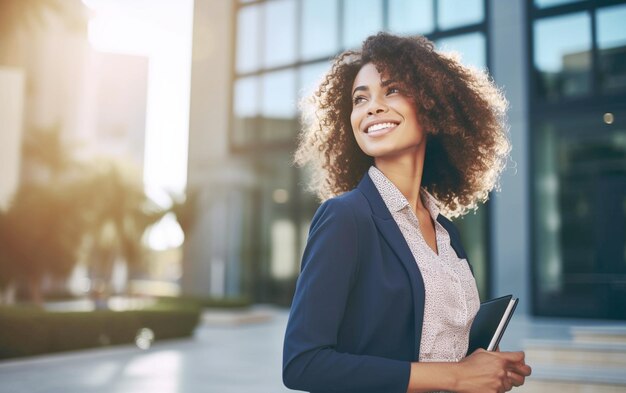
point(491, 322)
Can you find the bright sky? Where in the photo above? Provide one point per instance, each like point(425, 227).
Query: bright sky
point(161, 30)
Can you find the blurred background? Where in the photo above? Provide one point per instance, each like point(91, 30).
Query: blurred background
point(146, 148)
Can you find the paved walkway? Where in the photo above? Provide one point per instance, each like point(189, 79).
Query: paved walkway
point(223, 357)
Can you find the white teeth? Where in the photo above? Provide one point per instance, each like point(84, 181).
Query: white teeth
point(380, 126)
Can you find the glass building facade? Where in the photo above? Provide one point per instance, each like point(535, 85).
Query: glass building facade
point(578, 112)
point(555, 235)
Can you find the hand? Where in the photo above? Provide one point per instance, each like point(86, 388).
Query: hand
point(492, 372)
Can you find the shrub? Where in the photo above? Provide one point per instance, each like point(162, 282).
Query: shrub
point(26, 331)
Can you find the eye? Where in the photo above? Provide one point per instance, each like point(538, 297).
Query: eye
point(393, 90)
point(358, 99)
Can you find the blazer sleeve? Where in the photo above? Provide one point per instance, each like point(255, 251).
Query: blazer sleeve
point(329, 268)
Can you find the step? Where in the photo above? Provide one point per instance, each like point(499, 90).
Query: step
point(575, 379)
point(584, 354)
point(533, 386)
point(602, 334)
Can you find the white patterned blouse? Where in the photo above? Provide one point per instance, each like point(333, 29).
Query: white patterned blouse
point(451, 295)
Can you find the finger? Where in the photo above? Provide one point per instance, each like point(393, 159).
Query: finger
point(521, 369)
point(517, 357)
point(515, 379)
point(507, 385)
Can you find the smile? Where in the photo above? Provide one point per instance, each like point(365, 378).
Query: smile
point(380, 128)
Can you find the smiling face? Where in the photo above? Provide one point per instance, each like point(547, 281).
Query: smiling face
point(384, 120)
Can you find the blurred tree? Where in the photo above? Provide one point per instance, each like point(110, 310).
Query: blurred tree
point(39, 236)
point(40, 230)
point(7, 270)
point(27, 17)
point(46, 157)
point(67, 210)
point(117, 216)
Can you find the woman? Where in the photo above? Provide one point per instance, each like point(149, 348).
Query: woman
point(398, 135)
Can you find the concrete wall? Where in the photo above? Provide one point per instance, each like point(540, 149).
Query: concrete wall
point(212, 264)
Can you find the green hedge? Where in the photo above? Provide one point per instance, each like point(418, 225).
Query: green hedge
point(207, 302)
point(28, 331)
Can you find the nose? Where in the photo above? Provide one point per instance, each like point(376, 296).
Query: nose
point(376, 107)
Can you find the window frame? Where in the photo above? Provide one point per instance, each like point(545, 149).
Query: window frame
point(541, 105)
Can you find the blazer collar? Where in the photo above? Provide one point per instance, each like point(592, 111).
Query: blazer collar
point(368, 188)
point(391, 233)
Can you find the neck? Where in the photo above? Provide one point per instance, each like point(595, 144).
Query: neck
point(405, 172)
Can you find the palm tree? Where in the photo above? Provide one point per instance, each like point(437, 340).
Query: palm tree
point(39, 236)
point(41, 230)
point(118, 212)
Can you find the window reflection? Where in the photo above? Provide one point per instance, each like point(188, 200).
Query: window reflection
point(319, 28)
point(562, 55)
point(245, 107)
point(612, 47)
point(283, 253)
point(411, 16)
point(276, 260)
point(247, 43)
point(278, 105)
point(361, 18)
point(470, 46)
point(280, 32)
point(452, 14)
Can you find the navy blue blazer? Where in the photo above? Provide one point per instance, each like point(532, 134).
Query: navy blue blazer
point(356, 316)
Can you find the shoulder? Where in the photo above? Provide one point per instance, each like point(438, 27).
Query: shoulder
point(347, 211)
point(351, 203)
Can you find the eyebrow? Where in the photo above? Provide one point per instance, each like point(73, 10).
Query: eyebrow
point(384, 83)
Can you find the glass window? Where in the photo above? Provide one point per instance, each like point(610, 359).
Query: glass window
point(247, 39)
point(452, 13)
point(283, 258)
point(361, 18)
point(277, 261)
point(563, 55)
point(310, 77)
point(319, 28)
point(280, 33)
point(246, 108)
point(411, 16)
point(278, 105)
point(580, 216)
point(612, 47)
point(551, 3)
point(470, 46)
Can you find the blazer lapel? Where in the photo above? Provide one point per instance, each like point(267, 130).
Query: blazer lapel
point(391, 233)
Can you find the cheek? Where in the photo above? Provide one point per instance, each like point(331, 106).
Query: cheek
point(354, 121)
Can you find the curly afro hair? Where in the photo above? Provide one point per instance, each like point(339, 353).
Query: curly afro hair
point(460, 108)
